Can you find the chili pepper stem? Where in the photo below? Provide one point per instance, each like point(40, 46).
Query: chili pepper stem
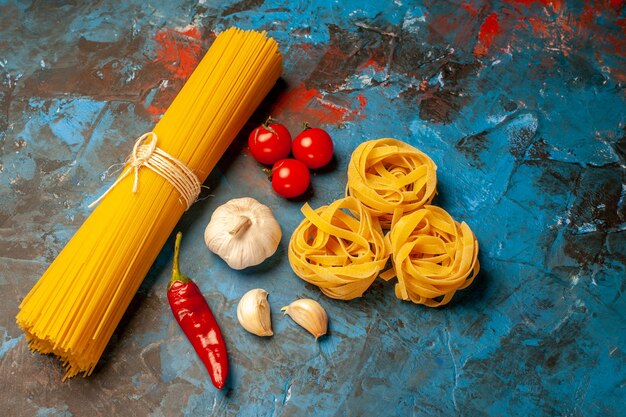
point(176, 275)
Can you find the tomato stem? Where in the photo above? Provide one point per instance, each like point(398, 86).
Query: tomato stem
point(305, 126)
point(269, 128)
point(268, 121)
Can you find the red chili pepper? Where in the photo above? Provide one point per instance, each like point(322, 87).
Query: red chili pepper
point(197, 321)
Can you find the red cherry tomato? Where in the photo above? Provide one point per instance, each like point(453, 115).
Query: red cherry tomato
point(290, 178)
point(270, 142)
point(314, 147)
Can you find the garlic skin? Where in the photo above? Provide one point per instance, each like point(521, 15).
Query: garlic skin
point(243, 232)
point(308, 314)
point(253, 313)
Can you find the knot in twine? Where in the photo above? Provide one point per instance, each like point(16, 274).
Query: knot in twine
point(146, 154)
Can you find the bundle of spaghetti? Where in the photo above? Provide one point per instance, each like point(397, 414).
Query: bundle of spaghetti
point(340, 248)
point(391, 178)
point(76, 305)
point(433, 256)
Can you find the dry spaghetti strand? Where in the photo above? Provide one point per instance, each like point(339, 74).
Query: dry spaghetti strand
point(391, 178)
point(433, 256)
point(340, 248)
point(76, 305)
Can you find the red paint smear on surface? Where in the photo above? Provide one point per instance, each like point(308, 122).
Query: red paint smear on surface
point(521, 25)
point(556, 4)
point(472, 10)
point(540, 27)
point(487, 33)
point(362, 101)
point(305, 102)
point(156, 111)
point(619, 45)
point(179, 51)
point(297, 98)
point(335, 110)
point(372, 63)
point(613, 43)
point(588, 16)
point(488, 30)
point(455, 29)
point(529, 2)
point(599, 23)
point(345, 112)
point(303, 46)
point(310, 104)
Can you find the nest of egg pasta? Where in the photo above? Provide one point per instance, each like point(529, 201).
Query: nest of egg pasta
point(387, 213)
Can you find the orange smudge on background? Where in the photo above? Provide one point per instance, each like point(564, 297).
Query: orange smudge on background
point(587, 17)
point(472, 10)
point(312, 105)
point(178, 53)
point(297, 98)
point(156, 111)
point(443, 25)
point(338, 113)
point(362, 101)
point(377, 66)
point(539, 27)
point(556, 4)
point(487, 33)
point(179, 50)
point(619, 45)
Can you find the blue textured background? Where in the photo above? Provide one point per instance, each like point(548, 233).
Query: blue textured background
point(520, 103)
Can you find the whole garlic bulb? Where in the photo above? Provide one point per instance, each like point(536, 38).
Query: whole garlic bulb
point(243, 232)
point(253, 313)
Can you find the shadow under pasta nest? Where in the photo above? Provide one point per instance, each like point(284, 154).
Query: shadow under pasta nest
point(475, 293)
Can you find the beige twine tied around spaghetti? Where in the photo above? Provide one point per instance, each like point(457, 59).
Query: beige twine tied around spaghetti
point(146, 154)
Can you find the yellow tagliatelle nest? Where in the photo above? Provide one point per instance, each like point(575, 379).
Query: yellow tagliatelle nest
point(433, 256)
point(390, 186)
point(340, 248)
point(391, 178)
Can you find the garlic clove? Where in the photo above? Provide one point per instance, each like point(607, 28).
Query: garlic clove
point(308, 314)
point(243, 232)
point(253, 313)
